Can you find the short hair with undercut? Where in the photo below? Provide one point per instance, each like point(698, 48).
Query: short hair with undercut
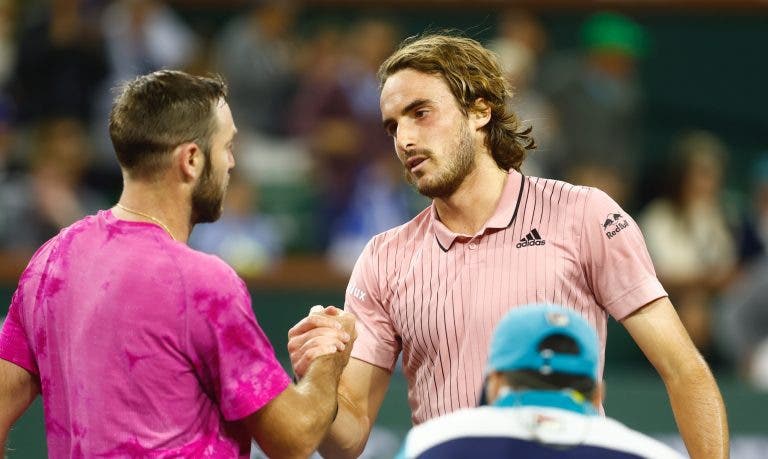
point(471, 72)
point(155, 113)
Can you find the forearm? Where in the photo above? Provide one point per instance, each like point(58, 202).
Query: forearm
point(347, 435)
point(293, 424)
point(318, 391)
point(699, 412)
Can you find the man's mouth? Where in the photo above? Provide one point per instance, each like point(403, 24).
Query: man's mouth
point(413, 162)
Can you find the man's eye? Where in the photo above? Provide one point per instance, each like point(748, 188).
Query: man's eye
point(420, 113)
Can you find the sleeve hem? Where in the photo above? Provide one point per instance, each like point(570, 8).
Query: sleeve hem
point(247, 408)
point(377, 359)
point(20, 362)
point(647, 291)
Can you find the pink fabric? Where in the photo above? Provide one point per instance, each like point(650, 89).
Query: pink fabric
point(143, 346)
point(437, 295)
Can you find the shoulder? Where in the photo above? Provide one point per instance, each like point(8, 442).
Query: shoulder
point(557, 192)
point(403, 235)
point(609, 433)
point(480, 422)
point(202, 267)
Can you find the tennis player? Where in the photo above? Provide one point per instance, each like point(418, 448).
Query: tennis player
point(434, 288)
point(141, 346)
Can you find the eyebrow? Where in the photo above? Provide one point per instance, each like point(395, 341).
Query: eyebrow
point(407, 109)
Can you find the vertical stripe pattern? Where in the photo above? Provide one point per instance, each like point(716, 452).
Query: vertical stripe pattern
point(443, 293)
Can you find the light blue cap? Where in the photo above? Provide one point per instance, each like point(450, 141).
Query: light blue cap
point(517, 338)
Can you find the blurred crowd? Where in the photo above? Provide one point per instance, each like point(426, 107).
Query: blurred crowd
point(316, 173)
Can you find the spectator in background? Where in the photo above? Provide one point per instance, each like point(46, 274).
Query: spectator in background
point(597, 95)
point(8, 23)
point(753, 232)
point(688, 234)
point(259, 56)
point(335, 111)
point(520, 42)
point(141, 36)
point(381, 200)
point(145, 35)
point(248, 241)
point(742, 328)
point(35, 206)
point(60, 63)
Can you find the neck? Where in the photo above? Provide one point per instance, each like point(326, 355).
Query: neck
point(161, 203)
point(565, 399)
point(474, 202)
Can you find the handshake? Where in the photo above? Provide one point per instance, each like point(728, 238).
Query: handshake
point(326, 331)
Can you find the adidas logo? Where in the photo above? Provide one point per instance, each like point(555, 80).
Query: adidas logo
point(531, 239)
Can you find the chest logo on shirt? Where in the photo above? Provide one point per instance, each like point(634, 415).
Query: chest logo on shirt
point(531, 239)
point(613, 224)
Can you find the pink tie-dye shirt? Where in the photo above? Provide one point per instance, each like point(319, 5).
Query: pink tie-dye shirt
point(143, 346)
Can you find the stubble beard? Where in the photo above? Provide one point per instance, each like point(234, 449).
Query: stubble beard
point(207, 197)
point(456, 169)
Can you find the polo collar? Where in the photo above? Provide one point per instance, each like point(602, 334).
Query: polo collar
point(503, 216)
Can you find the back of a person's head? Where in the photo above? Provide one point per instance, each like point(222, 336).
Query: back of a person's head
point(155, 113)
point(471, 72)
point(545, 347)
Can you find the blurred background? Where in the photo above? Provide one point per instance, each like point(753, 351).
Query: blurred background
point(659, 103)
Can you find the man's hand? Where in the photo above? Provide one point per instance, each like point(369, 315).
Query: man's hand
point(324, 331)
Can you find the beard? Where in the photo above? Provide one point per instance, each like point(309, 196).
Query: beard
point(207, 197)
point(449, 178)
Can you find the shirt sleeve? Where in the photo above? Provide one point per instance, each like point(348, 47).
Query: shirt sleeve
point(14, 345)
point(377, 341)
point(230, 352)
point(615, 258)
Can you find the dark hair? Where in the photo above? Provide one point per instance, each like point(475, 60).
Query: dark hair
point(471, 72)
point(155, 113)
point(689, 149)
point(534, 379)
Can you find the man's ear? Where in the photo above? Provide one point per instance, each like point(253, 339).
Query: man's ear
point(598, 395)
point(480, 113)
point(191, 160)
point(493, 385)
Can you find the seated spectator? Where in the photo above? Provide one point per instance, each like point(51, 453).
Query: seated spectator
point(688, 233)
point(248, 241)
point(597, 93)
point(259, 54)
point(542, 395)
point(381, 200)
point(60, 61)
point(53, 195)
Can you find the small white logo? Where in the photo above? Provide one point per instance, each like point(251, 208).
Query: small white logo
point(558, 319)
point(356, 292)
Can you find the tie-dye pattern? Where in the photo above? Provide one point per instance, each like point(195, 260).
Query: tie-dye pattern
point(143, 347)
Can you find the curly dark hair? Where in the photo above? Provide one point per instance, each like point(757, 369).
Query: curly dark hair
point(472, 72)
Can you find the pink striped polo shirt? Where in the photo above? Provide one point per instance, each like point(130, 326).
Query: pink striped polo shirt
point(436, 295)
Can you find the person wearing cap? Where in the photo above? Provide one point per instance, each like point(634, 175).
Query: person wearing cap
point(540, 399)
